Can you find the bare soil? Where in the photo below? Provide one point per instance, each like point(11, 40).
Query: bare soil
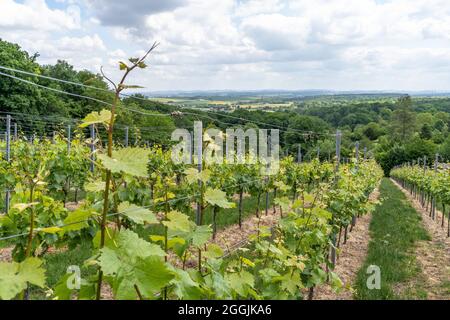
point(6, 254)
point(351, 256)
point(433, 256)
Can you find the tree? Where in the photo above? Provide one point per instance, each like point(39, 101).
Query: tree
point(306, 130)
point(426, 132)
point(155, 130)
point(354, 119)
point(440, 125)
point(15, 95)
point(373, 131)
point(403, 119)
point(418, 148)
point(444, 149)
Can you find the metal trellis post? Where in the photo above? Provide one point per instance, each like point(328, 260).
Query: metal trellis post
point(424, 170)
point(299, 155)
point(92, 131)
point(15, 131)
point(68, 138)
point(356, 167)
point(199, 146)
point(8, 158)
point(357, 154)
point(436, 162)
point(336, 172)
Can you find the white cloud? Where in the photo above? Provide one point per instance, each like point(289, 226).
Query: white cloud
point(131, 12)
point(86, 43)
point(342, 44)
point(36, 15)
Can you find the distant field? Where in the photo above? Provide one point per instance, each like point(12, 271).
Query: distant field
point(254, 103)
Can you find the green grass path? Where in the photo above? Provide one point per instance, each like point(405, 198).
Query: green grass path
point(394, 230)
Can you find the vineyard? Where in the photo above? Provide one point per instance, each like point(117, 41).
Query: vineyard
point(151, 225)
point(430, 186)
point(88, 214)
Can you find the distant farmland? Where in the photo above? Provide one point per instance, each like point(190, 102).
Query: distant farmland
point(253, 103)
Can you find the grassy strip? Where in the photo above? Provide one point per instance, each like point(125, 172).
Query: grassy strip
point(56, 265)
point(394, 230)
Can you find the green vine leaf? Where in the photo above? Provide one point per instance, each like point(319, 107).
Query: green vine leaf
point(177, 221)
point(192, 175)
point(95, 186)
point(122, 65)
point(23, 206)
point(50, 230)
point(213, 251)
point(283, 202)
point(241, 282)
point(14, 276)
point(218, 198)
point(201, 235)
point(184, 286)
point(134, 262)
point(132, 161)
point(77, 220)
point(137, 214)
point(103, 117)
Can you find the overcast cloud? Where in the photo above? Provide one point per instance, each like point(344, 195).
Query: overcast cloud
point(245, 44)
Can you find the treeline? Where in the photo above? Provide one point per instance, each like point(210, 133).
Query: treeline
point(397, 130)
point(42, 111)
point(394, 128)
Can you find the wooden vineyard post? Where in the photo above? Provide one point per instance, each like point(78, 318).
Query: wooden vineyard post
point(318, 153)
point(126, 137)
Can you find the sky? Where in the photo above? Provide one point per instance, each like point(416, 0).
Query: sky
point(244, 44)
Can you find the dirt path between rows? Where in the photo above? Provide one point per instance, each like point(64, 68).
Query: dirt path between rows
point(6, 254)
point(433, 256)
point(232, 237)
point(351, 257)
